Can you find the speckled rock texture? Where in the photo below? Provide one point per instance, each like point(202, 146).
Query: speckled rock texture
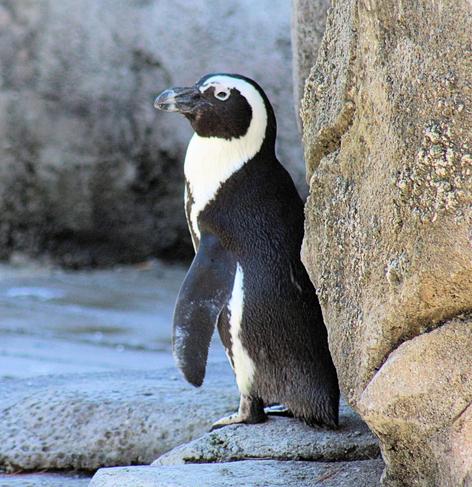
point(280, 439)
point(43, 480)
point(90, 173)
point(86, 421)
point(306, 39)
point(419, 402)
point(260, 473)
point(387, 121)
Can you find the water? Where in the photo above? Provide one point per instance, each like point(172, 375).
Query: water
point(57, 321)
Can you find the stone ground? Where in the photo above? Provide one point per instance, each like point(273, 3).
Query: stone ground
point(51, 319)
point(86, 421)
point(104, 339)
point(280, 439)
point(262, 473)
point(44, 480)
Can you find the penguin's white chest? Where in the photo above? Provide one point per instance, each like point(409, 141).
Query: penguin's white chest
point(209, 162)
point(244, 367)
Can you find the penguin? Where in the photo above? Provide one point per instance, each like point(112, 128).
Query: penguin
point(246, 220)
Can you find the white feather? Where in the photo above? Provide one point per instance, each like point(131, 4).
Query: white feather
point(244, 367)
point(210, 161)
point(189, 222)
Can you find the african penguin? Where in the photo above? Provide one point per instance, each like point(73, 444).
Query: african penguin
point(246, 221)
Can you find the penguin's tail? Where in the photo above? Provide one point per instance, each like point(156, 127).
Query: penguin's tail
point(327, 419)
point(321, 411)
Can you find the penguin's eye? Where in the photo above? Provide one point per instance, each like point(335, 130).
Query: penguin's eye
point(222, 95)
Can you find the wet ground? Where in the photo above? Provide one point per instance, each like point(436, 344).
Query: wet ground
point(56, 321)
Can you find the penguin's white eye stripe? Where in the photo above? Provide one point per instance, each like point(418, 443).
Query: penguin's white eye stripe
point(220, 91)
point(221, 95)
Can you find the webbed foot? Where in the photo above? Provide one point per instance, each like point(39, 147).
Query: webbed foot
point(251, 411)
point(278, 410)
point(226, 421)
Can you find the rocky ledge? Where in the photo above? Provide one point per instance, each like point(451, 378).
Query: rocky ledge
point(255, 473)
point(87, 421)
point(280, 439)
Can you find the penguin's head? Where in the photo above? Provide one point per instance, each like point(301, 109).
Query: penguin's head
point(223, 106)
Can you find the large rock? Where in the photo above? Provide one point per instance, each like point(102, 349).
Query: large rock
point(89, 172)
point(419, 405)
point(388, 146)
point(85, 421)
point(261, 473)
point(280, 439)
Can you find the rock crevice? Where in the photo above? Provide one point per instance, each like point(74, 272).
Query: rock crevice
point(331, 89)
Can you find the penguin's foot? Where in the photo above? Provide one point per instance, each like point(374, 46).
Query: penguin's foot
point(251, 411)
point(278, 410)
point(226, 421)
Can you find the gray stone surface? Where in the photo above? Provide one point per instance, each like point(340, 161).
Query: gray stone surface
point(89, 171)
point(261, 473)
point(119, 318)
point(86, 421)
point(43, 480)
point(280, 439)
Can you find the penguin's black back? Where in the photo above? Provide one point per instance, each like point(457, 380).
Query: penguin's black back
point(258, 216)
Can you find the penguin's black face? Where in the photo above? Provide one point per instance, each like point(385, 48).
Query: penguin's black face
point(222, 112)
point(221, 105)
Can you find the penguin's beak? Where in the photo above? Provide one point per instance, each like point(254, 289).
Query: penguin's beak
point(183, 100)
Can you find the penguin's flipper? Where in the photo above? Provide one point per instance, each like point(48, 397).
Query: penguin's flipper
point(205, 290)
